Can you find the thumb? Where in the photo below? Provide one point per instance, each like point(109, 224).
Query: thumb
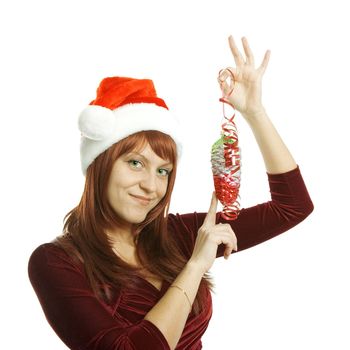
point(211, 215)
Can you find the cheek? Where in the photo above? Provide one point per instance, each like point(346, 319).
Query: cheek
point(113, 190)
point(120, 180)
point(163, 188)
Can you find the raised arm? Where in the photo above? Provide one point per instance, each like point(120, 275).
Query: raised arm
point(290, 201)
point(246, 98)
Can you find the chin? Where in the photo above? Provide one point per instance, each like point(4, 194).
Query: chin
point(135, 216)
point(137, 219)
point(136, 222)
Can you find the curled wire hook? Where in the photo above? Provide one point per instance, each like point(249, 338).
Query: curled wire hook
point(222, 78)
point(224, 74)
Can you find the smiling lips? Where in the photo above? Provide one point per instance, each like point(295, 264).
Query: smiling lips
point(142, 200)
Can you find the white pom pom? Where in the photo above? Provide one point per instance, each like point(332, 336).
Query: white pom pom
point(96, 122)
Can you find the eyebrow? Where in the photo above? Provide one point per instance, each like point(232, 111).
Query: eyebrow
point(147, 160)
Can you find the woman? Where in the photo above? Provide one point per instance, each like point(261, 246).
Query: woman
point(125, 274)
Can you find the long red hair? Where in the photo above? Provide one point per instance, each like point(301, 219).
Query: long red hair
point(84, 236)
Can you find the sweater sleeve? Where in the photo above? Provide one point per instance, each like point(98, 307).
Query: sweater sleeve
point(289, 205)
point(76, 315)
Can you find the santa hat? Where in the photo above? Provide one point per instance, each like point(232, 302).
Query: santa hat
point(123, 106)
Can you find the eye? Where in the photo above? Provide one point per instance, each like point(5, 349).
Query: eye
point(167, 172)
point(132, 162)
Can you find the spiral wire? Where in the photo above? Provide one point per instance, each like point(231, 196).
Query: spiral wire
point(226, 158)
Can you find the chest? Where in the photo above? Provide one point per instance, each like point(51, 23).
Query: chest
point(130, 257)
point(154, 280)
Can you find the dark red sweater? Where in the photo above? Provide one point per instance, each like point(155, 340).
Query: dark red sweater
point(84, 323)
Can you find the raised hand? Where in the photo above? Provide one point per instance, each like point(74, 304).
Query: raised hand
point(210, 236)
point(246, 96)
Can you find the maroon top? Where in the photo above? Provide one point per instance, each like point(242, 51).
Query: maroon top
point(84, 323)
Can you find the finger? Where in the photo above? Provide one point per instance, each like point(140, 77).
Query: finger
point(235, 52)
point(233, 71)
point(229, 246)
point(224, 88)
point(265, 62)
point(222, 80)
point(228, 252)
point(227, 81)
point(211, 215)
point(225, 231)
point(248, 51)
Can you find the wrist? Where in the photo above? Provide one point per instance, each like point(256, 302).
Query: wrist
point(254, 114)
point(195, 267)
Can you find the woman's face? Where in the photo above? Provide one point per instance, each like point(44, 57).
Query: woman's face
point(137, 183)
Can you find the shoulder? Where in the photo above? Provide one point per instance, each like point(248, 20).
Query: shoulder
point(50, 254)
point(44, 251)
point(183, 221)
point(183, 229)
point(181, 224)
point(189, 222)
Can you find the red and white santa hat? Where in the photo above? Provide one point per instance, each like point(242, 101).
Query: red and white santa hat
point(123, 106)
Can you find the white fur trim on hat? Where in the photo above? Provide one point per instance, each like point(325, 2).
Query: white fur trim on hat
point(99, 130)
point(96, 122)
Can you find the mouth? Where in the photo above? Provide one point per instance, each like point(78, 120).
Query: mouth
point(141, 199)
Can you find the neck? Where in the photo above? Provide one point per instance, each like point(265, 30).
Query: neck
point(121, 236)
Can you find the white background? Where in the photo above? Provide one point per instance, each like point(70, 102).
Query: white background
point(290, 292)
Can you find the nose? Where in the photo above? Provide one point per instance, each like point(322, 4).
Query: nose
point(149, 182)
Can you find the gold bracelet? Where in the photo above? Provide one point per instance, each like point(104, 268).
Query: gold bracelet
point(173, 285)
